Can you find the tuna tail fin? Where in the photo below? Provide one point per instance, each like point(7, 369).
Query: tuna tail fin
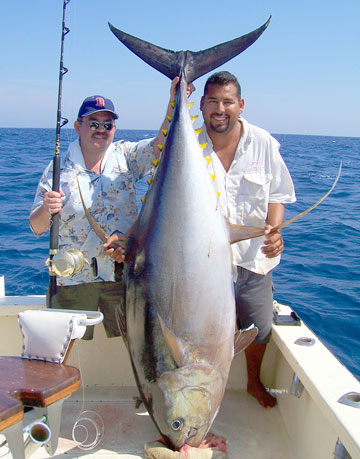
point(191, 64)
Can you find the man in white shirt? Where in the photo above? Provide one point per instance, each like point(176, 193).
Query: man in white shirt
point(254, 185)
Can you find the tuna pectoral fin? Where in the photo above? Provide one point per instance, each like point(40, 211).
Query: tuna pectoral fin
point(288, 222)
point(243, 339)
point(239, 233)
point(174, 344)
point(192, 64)
point(100, 233)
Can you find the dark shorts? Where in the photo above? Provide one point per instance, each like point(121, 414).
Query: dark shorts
point(107, 297)
point(254, 302)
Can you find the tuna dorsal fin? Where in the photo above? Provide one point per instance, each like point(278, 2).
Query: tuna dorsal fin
point(192, 64)
point(174, 344)
point(243, 339)
point(239, 233)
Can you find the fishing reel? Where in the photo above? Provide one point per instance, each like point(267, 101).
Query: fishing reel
point(65, 263)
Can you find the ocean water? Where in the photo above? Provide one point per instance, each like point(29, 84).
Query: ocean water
point(319, 275)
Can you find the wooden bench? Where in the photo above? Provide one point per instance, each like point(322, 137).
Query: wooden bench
point(35, 383)
point(38, 384)
point(43, 385)
point(11, 411)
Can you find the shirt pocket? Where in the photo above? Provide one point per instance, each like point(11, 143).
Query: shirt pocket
point(253, 198)
point(256, 185)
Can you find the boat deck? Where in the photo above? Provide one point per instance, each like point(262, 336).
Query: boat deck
point(309, 421)
point(250, 431)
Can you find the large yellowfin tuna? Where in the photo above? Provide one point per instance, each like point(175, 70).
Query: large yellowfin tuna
point(180, 308)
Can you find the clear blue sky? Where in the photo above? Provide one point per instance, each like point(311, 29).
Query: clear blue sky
point(302, 76)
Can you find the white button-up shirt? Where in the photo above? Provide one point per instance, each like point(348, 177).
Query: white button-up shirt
point(257, 176)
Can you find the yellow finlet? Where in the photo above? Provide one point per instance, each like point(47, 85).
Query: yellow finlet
point(143, 199)
point(172, 103)
point(155, 162)
point(160, 146)
point(203, 145)
point(165, 131)
point(169, 117)
point(191, 104)
point(149, 180)
point(208, 159)
point(218, 194)
point(195, 117)
point(197, 131)
point(213, 176)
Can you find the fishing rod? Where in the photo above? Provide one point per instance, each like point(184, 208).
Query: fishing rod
point(60, 122)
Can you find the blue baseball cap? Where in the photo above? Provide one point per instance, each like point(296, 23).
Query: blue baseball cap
point(95, 104)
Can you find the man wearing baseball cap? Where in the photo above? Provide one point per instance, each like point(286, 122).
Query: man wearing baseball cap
point(106, 173)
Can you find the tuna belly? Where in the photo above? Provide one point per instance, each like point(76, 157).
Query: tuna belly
point(190, 286)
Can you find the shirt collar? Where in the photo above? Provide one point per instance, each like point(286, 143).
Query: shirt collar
point(75, 155)
point(245, 139)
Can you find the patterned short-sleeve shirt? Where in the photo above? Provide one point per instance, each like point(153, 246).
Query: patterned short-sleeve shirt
point(110, 197)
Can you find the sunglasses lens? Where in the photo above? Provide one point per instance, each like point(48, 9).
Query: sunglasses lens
point(108, 126)
point(93, 125)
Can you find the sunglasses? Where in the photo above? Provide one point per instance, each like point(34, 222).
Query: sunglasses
point(107, 125)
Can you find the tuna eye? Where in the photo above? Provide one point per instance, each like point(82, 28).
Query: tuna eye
point(177, 424)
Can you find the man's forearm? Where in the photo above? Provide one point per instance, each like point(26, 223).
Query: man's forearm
point(275, 214)
point(40, 220)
